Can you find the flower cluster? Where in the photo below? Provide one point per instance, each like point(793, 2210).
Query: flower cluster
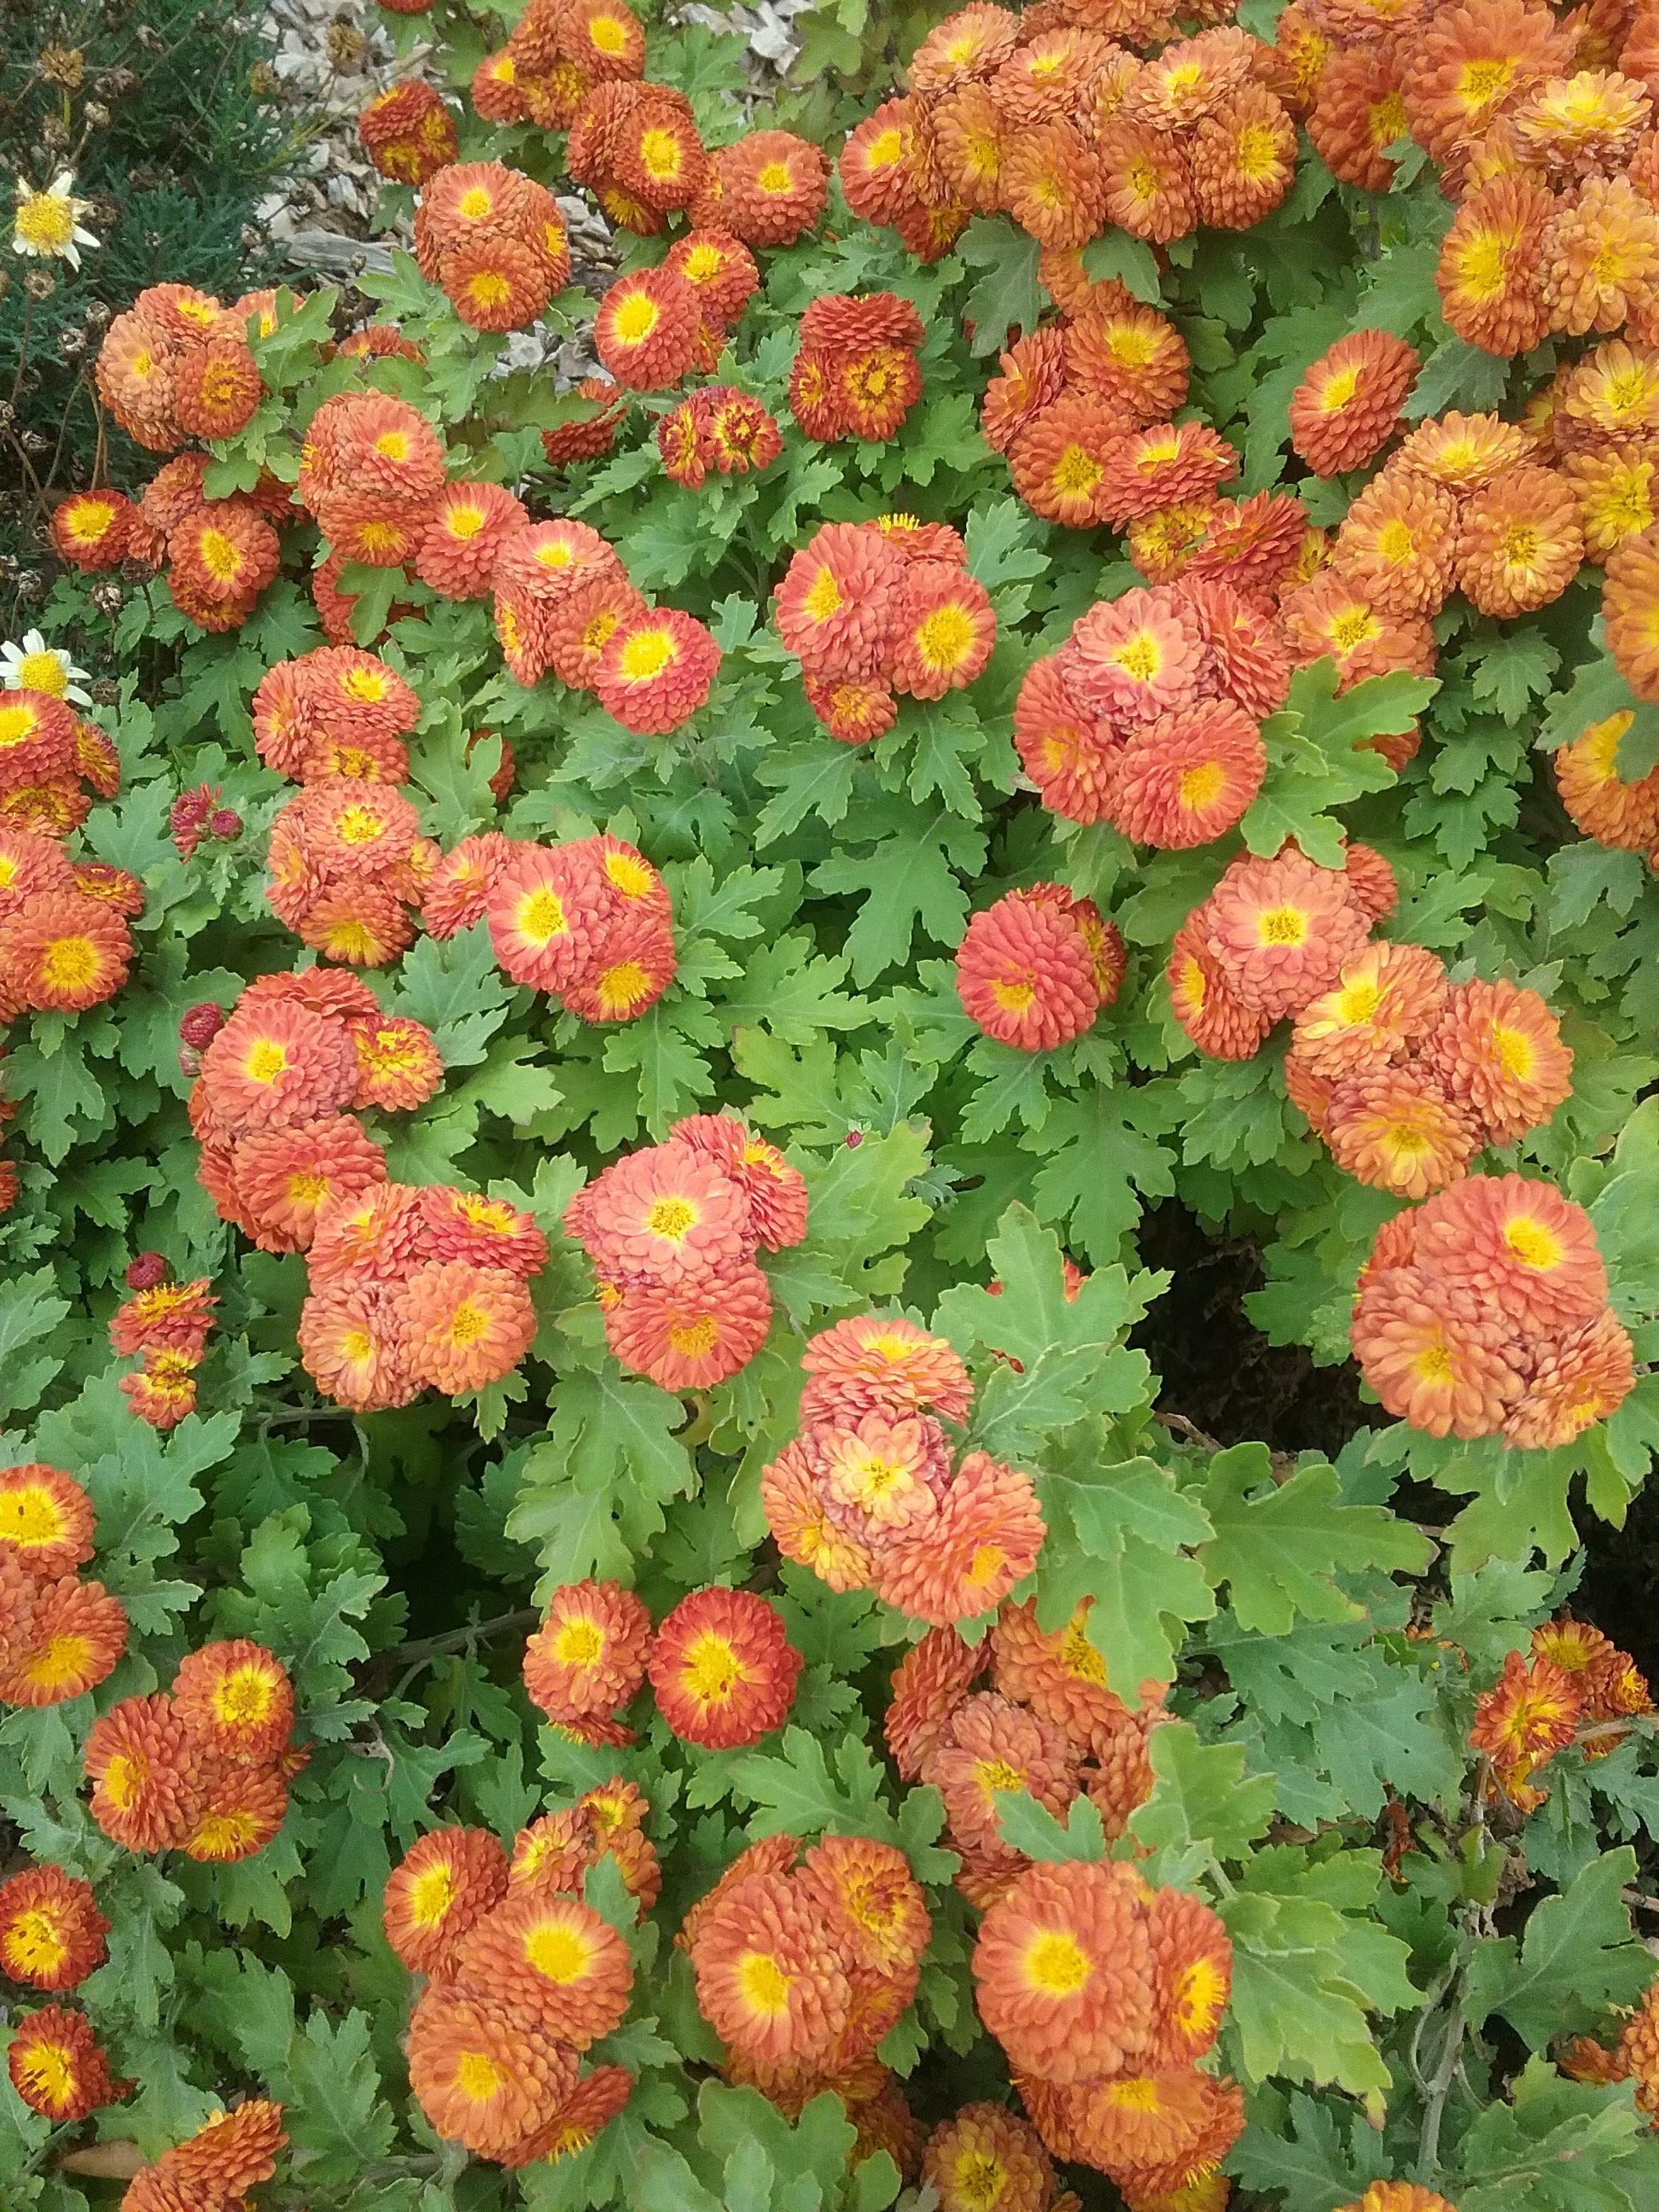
point(856, 373)
point(1105, 1994)
point(165, 1325)
point(371, 476)
point(59, 1634)
point(590, 922)
point(1465, 504)
point(411, 1287)
point(338, 711)
point(347, 867)
point(563, 602)
point(803, 1962)
point(1149, 716)
point(1556, 175)
point(64, 943)
point(177, 366)
point(866, 1495)
point(282, 1082)
point(1406, 1077)
point(408, 133)
point(1060, 127)
point(1634, 2058)
point(494, 242)
point(1485, 1312)
point(1572, 1678)
point(1270, 938)
point(1074, 402)
point(1048, 1724)
point(218, 554)
point(559, 52)
point(205, 1769)
point(57, 2066)
point(984, 2154)
point(51, 1933)
point(672, 1231)
point(654, 326)
point(876, 609)
point(1602, 803)
point(51, 764)
point(522, 1976)
point(214, 2169)
point(719, 427)
point(1036, 968)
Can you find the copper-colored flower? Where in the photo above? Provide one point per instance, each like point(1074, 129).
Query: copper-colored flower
point(1203, 1001)
point(588, 1655)
point(988, 1748)
point(1024, 972)
point(485, 2076)
point(1347, 404)
point(1069, 752)
point(46, 1522)
point(549, 1961)
point(769, 1982)
point(1602, 805)
point(1147, 180)
point(235, 1698)
point(463, 1326)
point(839, 600)
point(1499, 1046)
point(1281, 930)
point(1521, 544)
point(723, 1669)
point(1058, 461)
point(143, 1768)
point(1434, 1351)
point(1065, 1972)
point(58, 2067)
point(231, 2155)
point(51, 1933)
point(1187, 777)
point(1469, 63)
point(438, 1892)
point(965, 1559)
point(986, 2157)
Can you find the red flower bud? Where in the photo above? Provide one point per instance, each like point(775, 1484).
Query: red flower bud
point(147, 1272)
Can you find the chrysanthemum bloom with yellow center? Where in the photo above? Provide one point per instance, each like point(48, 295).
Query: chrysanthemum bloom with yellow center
point(1386, 999)
point(51, 1933)
point(94, 530)
point(1135, 657)
point(75, 1637)
point(484, 2077)
point(1031, 375)
point(588, 1655)
point(965, 1559)
point(233, 2154)
point(541, 923)
point(1531, 1714)
point(1471, 63)
point(988, 2159)
point(1053, 183)
point(665, 1213)
point(551, 1963)
point(47, 1521)
point(1518, 1245)
point(236, 1697)
point(870, 1365)
point(285, 1177)
point(769, 1981)
point(1068, 751)
point(1147, 183)
point(178, 1315)
point(874, 1905)
point(460, 887)
point(276, 1063)
point(879, 164)
point(1577, 1379)
point(1600, 257)
point(57, 2066)
point(458, 549)
point(775, 1191)
point(1203, 1001)
point(1521, 544)
point(881, 1475)
point(1612, 394)
point(1242, 159)
point(839, 600)
point(1347, 405)
point(1059, 460)
point(1398, 1129)
point(656, 670)
point(1498, 1047)
point(464, 1225)
point(1064, 1968)
point(928, 1684)
point(1616, 494)
point(1169, 466)
point(1399, 544)
point(241, 1809)
point(142, 1765)
point(1025, 971)
point(1128, 358)
point(1437, 1354)
point(398, 1063)
point(798, 1512)
point(65, 953)
point(1187, 777)
point(723, 1669)
point(645, 332)
point(1281, 930)
point(163, 1391)
point(1630, 608)
point(438, 1891)
point(465, 1326)
point(1491, 271)
point(988, 1749)
point(695, 1332)
point(774, 186)
point(944, 630)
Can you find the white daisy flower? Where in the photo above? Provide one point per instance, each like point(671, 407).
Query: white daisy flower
point(49, 221)
point(34, 665)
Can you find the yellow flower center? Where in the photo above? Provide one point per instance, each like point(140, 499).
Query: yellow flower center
point(358, 824)
point(1256, 152)
point(695, 1340)
point(1056, 1965)
point(885, 150)
point(475, 203)
point(607, 34)
point(29, 1517)
point(645, 655)
point(946, 638)
point(221, 555)
point(1433, 1362)
point(265, 1061)
point(541, 917)
point(775, 179)
point(431, 1893)
point(1140, 657)
point(468, 1325)
point(488, 289)
point(764, 1984)
point(1519, 546)
point(1358, 1002)
point(560, 1953)
point(43, 672)
point(996, 1776)
point(1479, 83)
point(578, 1644)
point(50, 2073)
point(1201, 786)
point(979, 2179)
point(477, 2076)
point(822, 596)
point(1354, 628)
point(636, 318)
point(70, 963)
point(1395, 542)
point(673, 1217)
point(245, 1697)
point(1014, 997)
point(1076, 473)
point(1339, 388)
point(35, 1947)
point(44, 222)
point(711, 1669)
point(661, 154)
point(1533, 1244)
point(703, 264)
point(1516, 1053)
point(1283, 925)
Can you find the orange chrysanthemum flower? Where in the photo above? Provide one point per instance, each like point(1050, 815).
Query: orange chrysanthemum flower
point(458, 890)
point(798, 1513)
point(1281, 930)
point(1147, 182)
point(275, 1063)
point(1616, 494)
point(645, 332)
point(216, 387)
point(1399, 1129)
point(588, 1655)
point(541, 918)
point(1492, 269)
point(1499, 1047)
point(1347, 405)
point(769, 1982)
point(873, 1905)
point(1432, 1350)
point(723, 1669)
point(1058, 461)
point(1169, 466)
point(1532, 1712)
point(1602, 805)
point(1399, 544)
point(1057, 186)
point(776, 1192)
point(551, 1963)
point(667, 1213)
point(929, 1685)
point(1466, 452)
point(1024, 972)
point(1193, 1976)
point(1243, 158)
point(1578, 1379)
point(235, 1698)
point(93, 529)
point(463, 1326)
point(1069, 752)
point(143, 1767)
point(219, 2165)
point(943, 632)
point(774, 187)
point(65, 953)
point(51, 1933)
point(966, 1558)
point(408, 133)
point(1468, 64)
point(285, 1177)
point(986, 2157)
point(1187, 777)
point(692, 1333)
point(1600, 257)
point(1521, 544)
point(47, 1521)
point(1629, 608)
point(1064, 1971)
point(656, 671)
point(176, 1314)
point(439, 1893)
point(870, 1364)
point(988, 1748)
point(485, 2076)
point(241, 1809)
point(398, 1063)
point(1386, 999)
point(463, 536)
point(58, 2067)
point(1128, 357)
point(76, 1637)
point(880, 1475)
point(352, 1347)
point(1399, 2196)
point(839, 600)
